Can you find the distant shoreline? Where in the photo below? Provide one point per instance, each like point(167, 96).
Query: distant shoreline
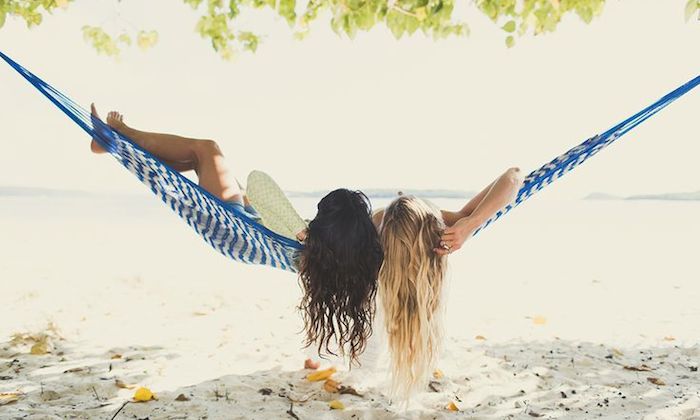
point(373, 193)
point(681, 196)
point(370, 192)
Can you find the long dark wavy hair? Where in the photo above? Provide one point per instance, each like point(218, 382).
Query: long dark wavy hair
point(338, 272)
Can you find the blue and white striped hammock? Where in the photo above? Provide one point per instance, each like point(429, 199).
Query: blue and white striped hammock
point(237, 236)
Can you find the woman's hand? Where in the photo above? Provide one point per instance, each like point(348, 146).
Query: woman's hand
point(454, 236)
point(451, 217)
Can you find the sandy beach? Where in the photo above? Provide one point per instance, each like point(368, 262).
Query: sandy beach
point(109, 295)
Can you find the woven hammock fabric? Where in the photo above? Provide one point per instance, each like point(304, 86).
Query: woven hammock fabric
point(234, 234)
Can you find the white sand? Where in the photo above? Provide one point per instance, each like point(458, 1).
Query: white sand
point(588, 288)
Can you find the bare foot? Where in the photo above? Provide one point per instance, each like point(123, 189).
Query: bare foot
point(114, 120)
point(310, 364)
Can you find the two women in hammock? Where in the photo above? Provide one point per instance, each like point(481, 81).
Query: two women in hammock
point(352, 256)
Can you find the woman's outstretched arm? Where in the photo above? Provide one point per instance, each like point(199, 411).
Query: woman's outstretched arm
point(495, 196)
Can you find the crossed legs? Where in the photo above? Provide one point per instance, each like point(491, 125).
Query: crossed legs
point(182, 154)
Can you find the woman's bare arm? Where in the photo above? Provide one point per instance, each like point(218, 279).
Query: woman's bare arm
point(451, 217)
point(494, 197)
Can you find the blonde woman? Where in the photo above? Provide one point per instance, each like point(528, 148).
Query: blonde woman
point(416, 238)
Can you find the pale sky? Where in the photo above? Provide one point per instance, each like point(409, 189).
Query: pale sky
point(369, 112)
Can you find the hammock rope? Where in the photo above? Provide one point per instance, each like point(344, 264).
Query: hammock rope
point(234, 234)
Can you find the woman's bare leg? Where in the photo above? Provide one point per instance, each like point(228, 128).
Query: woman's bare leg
point(182, 154)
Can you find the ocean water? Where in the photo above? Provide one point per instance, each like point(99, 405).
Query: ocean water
point(595, 270)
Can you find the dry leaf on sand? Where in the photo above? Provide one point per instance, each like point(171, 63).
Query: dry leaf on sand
point(336, 405)
point(77, 369)
point(330, 385)
point(123, 385)
point(656, 381)
point(41, 346)
point(321, 375)
point(9, 397)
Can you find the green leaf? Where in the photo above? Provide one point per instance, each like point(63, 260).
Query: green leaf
point(286, 10)
point(586, 14)
point(510, 41)
point(193, 3)
point(490, 10)
point(233, 10)
point(690, 8)
point(509, 26)
point(364, 19)
point(218, 20)
point(124, 39)
point(249, 40)
point(394, 21)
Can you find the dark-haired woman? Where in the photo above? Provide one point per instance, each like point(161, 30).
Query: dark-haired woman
point(341, 258)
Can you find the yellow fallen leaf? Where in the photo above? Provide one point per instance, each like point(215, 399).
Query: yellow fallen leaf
point(321, 375)
point(437, 374)
point(337, 405)
point(452, 406)
point(330, 385)
point(144, 394)
point(539, 320)
point(116, 356)
point(8, 397)
point(669, 338)
point(40, 348)
point(479, 337)
point(617, 352)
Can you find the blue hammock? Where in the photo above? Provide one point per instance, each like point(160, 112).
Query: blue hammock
point(232, 232)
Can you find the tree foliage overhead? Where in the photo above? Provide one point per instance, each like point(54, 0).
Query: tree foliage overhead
point(218, 20)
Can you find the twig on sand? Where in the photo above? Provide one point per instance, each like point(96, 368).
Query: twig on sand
point(291, 411)
point(433, 387)
point(120, 409)
point(94, 391)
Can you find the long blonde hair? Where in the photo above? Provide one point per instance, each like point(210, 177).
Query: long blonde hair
point(410, 290)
